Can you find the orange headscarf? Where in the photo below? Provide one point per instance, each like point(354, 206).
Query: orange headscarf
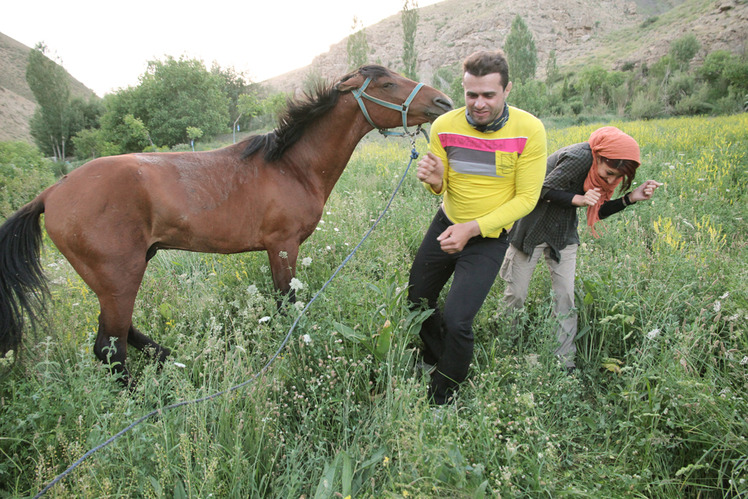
point(608, 142)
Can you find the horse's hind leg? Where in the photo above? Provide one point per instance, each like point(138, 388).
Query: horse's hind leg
point(116, 284)
point(115, 321)
point(147, 345)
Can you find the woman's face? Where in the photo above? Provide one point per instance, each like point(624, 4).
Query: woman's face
point(609, 174)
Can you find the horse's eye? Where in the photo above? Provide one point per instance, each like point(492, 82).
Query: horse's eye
point(388, 84)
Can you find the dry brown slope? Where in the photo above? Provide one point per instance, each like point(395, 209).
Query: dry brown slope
point(607, 32)
point(17, 102)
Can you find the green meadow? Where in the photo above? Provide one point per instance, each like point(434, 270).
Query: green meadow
point(657, 408)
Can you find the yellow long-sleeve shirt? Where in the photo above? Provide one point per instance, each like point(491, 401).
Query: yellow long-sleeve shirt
point(494, 178)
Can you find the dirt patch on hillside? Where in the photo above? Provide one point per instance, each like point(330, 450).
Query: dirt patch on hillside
point(15, 111)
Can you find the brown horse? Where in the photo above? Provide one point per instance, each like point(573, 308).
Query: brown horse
point(111, 215)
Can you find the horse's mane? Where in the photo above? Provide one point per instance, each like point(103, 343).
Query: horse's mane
point(299, 114)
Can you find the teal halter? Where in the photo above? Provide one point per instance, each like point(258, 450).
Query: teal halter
point(403, 108)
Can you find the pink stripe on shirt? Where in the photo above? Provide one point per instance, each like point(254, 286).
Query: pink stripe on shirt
point(514, 144)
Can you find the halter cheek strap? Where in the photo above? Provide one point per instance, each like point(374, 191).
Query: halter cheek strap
point(360, 93)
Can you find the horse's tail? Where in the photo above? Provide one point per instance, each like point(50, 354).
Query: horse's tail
point(22, 280)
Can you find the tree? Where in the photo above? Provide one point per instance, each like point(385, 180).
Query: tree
point(551, 69)
point(409, 17)
point(520, 51)
point(119, 124)
point(249, 106)
point(90, 143)
point(49, 83)
point(176, 94)
point(358, 46)
point(684, 49)
point(192, 134)
point(235, 85)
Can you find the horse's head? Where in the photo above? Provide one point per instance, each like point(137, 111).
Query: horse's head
point(393, 99)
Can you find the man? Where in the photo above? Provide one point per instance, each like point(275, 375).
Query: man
point(487, 160)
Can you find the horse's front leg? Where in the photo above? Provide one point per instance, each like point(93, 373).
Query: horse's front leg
point(283, 267)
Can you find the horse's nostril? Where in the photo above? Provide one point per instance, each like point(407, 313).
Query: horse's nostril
point(443, 103)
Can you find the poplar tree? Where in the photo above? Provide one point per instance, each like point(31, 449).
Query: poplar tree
point(49, 83)
point(520, 51)
point(410, 26)
point(358, 46)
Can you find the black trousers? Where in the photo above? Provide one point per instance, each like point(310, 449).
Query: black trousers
point(448, 335)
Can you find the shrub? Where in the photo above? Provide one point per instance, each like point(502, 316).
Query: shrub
point(24, 172)
point(644, 107)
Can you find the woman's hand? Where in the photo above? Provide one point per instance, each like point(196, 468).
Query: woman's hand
point(645, 191)
point(590, 198)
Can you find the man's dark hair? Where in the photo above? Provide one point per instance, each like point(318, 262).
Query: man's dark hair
point(485, 62)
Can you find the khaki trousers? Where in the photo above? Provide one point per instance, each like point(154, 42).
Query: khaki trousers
point(517, 270)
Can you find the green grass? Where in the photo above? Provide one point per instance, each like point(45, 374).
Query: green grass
point(657, 408)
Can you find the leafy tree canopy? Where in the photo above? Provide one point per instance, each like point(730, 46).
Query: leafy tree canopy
point(176, 94)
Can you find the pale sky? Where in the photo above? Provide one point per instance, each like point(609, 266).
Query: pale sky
point(107, 45)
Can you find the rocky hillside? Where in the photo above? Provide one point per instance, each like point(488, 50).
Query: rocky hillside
point(609, 32)
point(17, 102)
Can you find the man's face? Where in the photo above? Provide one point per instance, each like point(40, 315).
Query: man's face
point(484, 96)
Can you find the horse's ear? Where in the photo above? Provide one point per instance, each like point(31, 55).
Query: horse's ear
point(350, 82)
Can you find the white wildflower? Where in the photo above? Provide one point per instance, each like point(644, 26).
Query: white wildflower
point(306, 261)
point(337, 230)
point(653, 333)
point(296, 284)
point(744, 360)
point(306, 339)
point(264, 319)
point(180, 365)
point(717, 306)
point(251, 290)
point(724, 295)
point(299, 305)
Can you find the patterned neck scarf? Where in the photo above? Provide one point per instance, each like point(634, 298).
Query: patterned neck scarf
point(494, 126)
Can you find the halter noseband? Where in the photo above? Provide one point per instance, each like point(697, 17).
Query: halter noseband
point(403, 108)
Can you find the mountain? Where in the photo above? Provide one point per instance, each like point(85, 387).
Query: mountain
point(17, 102)
point(613, 33)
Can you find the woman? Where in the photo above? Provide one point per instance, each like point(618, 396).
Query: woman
point(584, 174)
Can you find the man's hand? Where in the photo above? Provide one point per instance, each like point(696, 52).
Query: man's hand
point(454, 239)
point(431, 171)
